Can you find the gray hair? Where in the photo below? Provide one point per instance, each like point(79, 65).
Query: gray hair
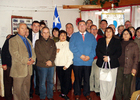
point(120, 26)
point(44, 28)
point(20, 24)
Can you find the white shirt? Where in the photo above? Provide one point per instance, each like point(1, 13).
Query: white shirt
point(35, 36)
point(82, 33)
point(64, 56)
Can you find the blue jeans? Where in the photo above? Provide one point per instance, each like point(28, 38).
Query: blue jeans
point(45, 74)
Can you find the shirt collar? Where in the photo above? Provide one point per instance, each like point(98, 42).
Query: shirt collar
point(22, 37)
point(102, 31)
point(96, 35)
point(35, 33)
point(82, 33)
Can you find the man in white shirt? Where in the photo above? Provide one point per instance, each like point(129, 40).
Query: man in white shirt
point(34, 34)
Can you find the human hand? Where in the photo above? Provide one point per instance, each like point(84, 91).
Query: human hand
point(87, 58)
point(4, 67)
point(105, 58)
point(58, 50)
point(83, 57)
point(30, 61)
point(64, 68)
point(133, 72)
point(48, 63)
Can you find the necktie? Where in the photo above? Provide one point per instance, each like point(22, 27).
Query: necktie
point(83, 37)
point(34, 39)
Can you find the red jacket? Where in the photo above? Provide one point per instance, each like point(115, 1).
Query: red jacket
point(98, 37)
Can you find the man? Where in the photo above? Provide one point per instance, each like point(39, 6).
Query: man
point(69, 30)
point(34, 34)
point(23, 57)
point(127, 24)
point(46, 52)
point(120, 29)
point(6, 65)
point(82, 45)
point(103, 25)
point(42, 24)
point(113, 27)
point(89, 22)
point(95, 73)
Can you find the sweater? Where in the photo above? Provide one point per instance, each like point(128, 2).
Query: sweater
point(80, 47)
point(64, 56)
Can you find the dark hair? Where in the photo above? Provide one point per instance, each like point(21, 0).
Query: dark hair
point(111, 30)
point(81, 21)
point(62, 31)
point(89, 20)
point(70, 24)
point(42, 23)
point(92, 26)
point(133, 28)
point(137, 30)
point(56, 29)
point(104, 21)
point(35, 22)
point(121, 37)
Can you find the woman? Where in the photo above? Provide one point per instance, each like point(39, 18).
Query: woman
point(108, 50)
point(55, 37)
point(132, 30)
point(137, 40)
point(63, 61)
point(55, 33)
point(128, 65)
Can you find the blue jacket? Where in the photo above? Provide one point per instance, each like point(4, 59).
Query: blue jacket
point(80, 47)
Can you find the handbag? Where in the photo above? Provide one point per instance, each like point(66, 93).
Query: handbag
point(106, 74)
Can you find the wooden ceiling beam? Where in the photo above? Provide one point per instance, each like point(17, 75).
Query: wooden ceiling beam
point(81, 6)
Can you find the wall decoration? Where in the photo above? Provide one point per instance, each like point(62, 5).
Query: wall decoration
point(15, 20)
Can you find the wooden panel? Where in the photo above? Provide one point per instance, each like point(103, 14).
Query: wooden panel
point(81, 6)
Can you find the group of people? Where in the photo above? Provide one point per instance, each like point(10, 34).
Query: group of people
point(33, 57)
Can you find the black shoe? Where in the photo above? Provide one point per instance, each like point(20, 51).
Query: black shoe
point(64, 96)
point(98, 93)
point(31, 96)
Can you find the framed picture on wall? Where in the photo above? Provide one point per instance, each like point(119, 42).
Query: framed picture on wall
point(15, 20)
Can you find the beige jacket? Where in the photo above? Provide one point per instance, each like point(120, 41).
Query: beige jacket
point(20, 57)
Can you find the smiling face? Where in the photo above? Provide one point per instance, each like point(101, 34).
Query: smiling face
point(55, 33)
point(45, 33)
point(138, 33)
point(120, 30)
point(126, 36)
point(62, 37)
point(82, 27)
point(93, 30)
point(109, 33)
point(132, 31)
point(22, 29)
point(69, 29)
point(35, 27)
point(103, 25)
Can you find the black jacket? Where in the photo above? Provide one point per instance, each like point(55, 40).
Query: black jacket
point(5, 55)
point(100, 32)
point(113, 50)
point(30, 35)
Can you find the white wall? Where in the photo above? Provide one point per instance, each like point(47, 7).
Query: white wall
point(44, 11)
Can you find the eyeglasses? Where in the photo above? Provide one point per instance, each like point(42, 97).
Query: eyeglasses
point(93, 29)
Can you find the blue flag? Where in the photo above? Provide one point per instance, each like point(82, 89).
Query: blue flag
point(56, 19)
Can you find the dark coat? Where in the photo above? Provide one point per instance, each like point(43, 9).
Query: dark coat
point(131, 57)
point(6, 57)
point(113, 51)
point(45, 50)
